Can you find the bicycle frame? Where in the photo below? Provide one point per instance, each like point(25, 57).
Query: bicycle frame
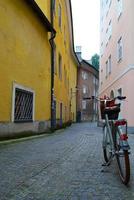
point(115, 140)
point(110, 134)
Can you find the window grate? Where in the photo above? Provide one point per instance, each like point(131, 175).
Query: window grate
point(23, 106)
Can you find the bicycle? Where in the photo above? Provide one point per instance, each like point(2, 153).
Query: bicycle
point(115, 137)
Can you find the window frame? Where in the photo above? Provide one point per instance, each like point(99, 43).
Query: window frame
point(120, 49)
point(109, 64)
point(84, 104)
point(60, 15)
point(60, 66)
point(23, 88)
point(85, 89)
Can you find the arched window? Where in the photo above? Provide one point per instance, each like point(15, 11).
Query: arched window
point(111, 94)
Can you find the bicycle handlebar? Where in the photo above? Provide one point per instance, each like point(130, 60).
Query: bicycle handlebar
point(121, 97)
point(107, 99)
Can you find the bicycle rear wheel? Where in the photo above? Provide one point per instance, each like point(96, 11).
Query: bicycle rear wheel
point(107, 152)
point(123, 162)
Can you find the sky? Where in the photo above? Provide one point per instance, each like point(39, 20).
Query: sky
point(86, 21)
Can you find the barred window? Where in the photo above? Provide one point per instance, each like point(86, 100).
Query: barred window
point(23, 111)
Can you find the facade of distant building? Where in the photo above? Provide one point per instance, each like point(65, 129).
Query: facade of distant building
point(87, 86)
point(117, 57)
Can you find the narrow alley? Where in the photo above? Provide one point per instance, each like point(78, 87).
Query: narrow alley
point(66, 165)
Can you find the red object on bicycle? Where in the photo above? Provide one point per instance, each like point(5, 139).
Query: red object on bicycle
point(123, 137)
point(120, 123)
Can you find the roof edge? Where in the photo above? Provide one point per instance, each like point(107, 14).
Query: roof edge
point(90, 65)
point(40, 15)
point(73, 49)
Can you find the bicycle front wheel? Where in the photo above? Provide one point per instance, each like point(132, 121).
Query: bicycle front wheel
point(123, 162)
point(107, 149)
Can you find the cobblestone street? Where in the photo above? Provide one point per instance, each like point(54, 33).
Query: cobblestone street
point(66, 165)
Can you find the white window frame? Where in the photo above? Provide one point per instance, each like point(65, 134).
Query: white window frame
point(119, 8)
point(84, 75)
point(84, 104)
point(59, 15)
point(120, 49)
point(85, 89)
point(109, 64)
point(106, 64)
point(109, 29)
point(18, 86)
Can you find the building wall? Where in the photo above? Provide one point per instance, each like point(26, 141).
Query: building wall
point(64, 47)
point(121, 71)
point(25, 62)
point(89, 113)
point(24, 59)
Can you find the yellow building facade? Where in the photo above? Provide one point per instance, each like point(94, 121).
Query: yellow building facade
point(25, 66)
point(65, 67)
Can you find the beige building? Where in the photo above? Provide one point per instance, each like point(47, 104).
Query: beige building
point(87, 86)
point(117, 53)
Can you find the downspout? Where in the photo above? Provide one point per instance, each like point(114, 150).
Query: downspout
point(51, 40)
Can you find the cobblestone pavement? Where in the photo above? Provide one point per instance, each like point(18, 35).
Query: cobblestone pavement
point(63, 166)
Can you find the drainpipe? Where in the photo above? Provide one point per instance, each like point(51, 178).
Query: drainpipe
point(51, 40)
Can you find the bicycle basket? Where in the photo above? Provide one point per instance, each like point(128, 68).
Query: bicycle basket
point(112, 115)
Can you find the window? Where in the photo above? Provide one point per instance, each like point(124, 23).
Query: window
point(110, 30)
point(107, 6)
point(106, 68)
point(110, 2)
point(65, 35)
point(106, 36)
point(109, 64)
point(119, 92)
point(53, 5)
point(84, 75)
point(84, 105)
point(85, 89)
point(65, 76)
point(120, 49)
point(61, 106)
point(59, 15)
point(23, 105)
point(119, 8)
point(94, 80)
point(68, 84)
point(102, 49)
point(60, 67)
point(112, 94)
